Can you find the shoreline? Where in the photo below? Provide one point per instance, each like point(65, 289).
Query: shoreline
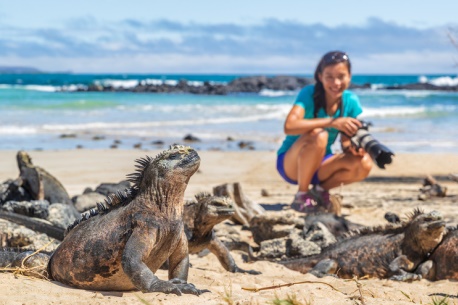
point(93, 166)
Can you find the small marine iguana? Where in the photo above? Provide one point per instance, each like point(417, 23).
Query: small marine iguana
point(120, 245)
point(443, 262)
point(38, 182)
point(200, 217)
point(393, 251)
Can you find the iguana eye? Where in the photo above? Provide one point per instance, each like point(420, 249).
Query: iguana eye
point(174, 156)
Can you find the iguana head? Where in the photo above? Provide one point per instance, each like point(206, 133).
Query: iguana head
point(425, 231)
point(23, 159)
point(173, 166)
point(202, 215)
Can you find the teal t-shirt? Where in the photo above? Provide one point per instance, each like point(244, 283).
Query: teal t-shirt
point(351, 108)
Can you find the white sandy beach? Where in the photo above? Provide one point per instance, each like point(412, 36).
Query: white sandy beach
point(394, 189)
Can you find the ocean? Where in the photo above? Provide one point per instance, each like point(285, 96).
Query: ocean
point(37, 115)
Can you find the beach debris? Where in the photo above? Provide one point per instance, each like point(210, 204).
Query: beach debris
point(246, 144)
point(108, 188)
point(17, 236)
point(245, 208)
point(392, 217)
point(335, 206)
point(284, 235)
point(121, 244)
point(338, 226)
point(431, 189)
point(367, 251)
point(453, 177)
point(264, 193)
point(33, 208)
point(191, 138)
point(137, 145)
point(27, 262)
point(200, 216)
point(158, 143)
point(442, 264)
point(67, 135)
point(59, 214)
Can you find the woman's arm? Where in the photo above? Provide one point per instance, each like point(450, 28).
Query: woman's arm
point(296, 124)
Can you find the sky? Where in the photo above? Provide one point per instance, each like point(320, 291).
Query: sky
point(228, 37)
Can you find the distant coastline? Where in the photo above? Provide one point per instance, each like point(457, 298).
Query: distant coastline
point(19, 70)
point(250, 84)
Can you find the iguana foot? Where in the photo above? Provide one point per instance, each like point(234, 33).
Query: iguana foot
point(326, 267)
point(406, 277)
point(187, 287)
point(165, 287)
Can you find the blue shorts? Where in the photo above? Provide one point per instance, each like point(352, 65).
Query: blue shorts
point(281, 169)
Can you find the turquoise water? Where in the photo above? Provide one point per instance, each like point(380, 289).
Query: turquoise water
point(35, 114)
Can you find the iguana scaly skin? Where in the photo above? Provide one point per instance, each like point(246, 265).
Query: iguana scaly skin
point(38, 182)
point(121, 246)
point(390, 252)
point(200, 217)
point(443, 262)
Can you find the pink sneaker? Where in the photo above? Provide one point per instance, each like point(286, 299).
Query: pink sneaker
point(305, 203)
point(311, 202)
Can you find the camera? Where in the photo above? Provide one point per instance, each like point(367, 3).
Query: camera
point(378, 152)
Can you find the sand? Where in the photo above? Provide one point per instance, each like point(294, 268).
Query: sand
point(394, 189)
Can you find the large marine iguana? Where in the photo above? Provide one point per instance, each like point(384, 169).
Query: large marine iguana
point(200, 217)
point(393, 251)
point(120, 245)
point(443, 262)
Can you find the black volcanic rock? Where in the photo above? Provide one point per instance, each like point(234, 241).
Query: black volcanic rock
point(422, 86)
point(251, 84)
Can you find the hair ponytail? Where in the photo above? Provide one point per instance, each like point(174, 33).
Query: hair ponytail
point(319, 98)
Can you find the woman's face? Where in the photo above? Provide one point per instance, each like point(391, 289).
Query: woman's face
point(335, 79)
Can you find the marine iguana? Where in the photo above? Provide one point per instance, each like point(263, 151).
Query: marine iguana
point(393, 251)
point(200, 217)
point(443, 262)
point(38, 182)
point(121, 244)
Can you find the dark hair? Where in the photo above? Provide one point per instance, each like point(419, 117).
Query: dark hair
point(328, 59)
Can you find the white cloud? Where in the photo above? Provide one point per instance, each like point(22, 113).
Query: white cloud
point(274, 46)
point(406, 62)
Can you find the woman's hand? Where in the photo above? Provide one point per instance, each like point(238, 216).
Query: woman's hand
point(356, 151)
point(348, 126)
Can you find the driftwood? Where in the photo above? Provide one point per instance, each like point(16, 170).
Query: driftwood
point(336, 204)
point(245, 208)
point(431, 189)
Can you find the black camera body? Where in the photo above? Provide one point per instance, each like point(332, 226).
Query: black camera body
point(379, 153)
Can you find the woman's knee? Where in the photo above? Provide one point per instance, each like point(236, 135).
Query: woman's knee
point(364, 167)
point(317, 137)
